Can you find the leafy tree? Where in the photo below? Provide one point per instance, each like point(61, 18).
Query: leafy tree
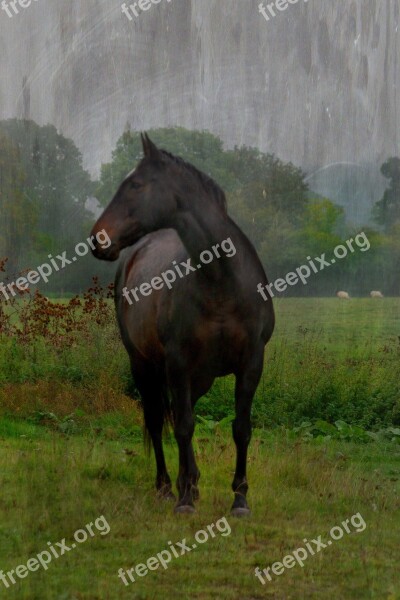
point(387, 210)
point(268, 204)
point(55, 181)
point(282, 184)
point(18, 213)
point(270, 229)
point(322, 224)
point(44, 190)
point(201, 148)
point(385, 267)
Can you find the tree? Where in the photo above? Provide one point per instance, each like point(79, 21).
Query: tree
point(55, 182)
point(201, 148)
point(268, 204)
point(44, 191)
point(281, 184)
point(387, 211)
point(323, 221)
point(18, 212)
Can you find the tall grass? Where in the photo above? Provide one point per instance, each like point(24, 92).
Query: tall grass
point(327, 360)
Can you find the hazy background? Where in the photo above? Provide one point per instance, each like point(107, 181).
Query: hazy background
point(316, 86)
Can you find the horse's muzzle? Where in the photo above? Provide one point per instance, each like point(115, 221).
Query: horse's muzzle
point(109, 253)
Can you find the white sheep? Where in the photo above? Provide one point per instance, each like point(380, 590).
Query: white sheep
point(376, 294)
point(343, 295)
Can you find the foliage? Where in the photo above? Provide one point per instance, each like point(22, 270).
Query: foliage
point(44, 187)
point(55, 180)
point(18, 213)
point(387, 210)
point(31, 316)
point(201, 148)
point(322, 220)
point(43, 205)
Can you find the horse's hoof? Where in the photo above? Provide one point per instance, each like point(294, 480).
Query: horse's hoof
point(184, 509)
point(240, 511)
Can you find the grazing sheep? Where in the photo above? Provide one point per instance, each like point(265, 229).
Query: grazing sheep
point(343, 295)
point(376, 294)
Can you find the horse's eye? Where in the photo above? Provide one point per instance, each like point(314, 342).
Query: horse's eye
point(135, 185)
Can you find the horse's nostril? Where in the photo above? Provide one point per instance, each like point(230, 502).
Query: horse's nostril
point(97, 249)
point(109, 252)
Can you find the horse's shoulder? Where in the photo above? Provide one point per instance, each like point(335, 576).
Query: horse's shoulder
point(153, 253)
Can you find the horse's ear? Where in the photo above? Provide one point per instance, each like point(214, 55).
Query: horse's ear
point(150, 150)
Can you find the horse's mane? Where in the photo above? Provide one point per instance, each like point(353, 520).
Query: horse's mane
point(210, 186)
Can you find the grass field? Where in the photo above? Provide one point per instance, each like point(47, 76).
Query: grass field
point(71, 450)
point(328, 359)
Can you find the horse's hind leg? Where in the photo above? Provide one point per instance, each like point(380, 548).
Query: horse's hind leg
point(246, 385)
point(152, 394)
point(154, 419)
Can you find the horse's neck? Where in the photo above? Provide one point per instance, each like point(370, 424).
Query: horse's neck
point(207, 229)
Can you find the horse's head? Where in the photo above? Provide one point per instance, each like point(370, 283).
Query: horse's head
point(144, 202)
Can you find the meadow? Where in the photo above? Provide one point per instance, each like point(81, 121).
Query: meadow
point(325, 446)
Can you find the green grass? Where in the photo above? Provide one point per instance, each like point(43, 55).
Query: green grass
point(53, 485)
point(71, 450)
point(328, 359)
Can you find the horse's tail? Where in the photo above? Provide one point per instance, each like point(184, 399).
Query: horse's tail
point(167, 406)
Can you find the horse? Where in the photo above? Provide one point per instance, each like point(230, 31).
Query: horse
point(209, 323)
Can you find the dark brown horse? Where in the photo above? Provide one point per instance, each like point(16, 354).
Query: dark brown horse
point(206, 322)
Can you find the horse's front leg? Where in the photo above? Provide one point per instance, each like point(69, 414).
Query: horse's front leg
point(246, 384)
point(189, 474)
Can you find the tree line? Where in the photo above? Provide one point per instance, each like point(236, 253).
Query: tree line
point(44, 188)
